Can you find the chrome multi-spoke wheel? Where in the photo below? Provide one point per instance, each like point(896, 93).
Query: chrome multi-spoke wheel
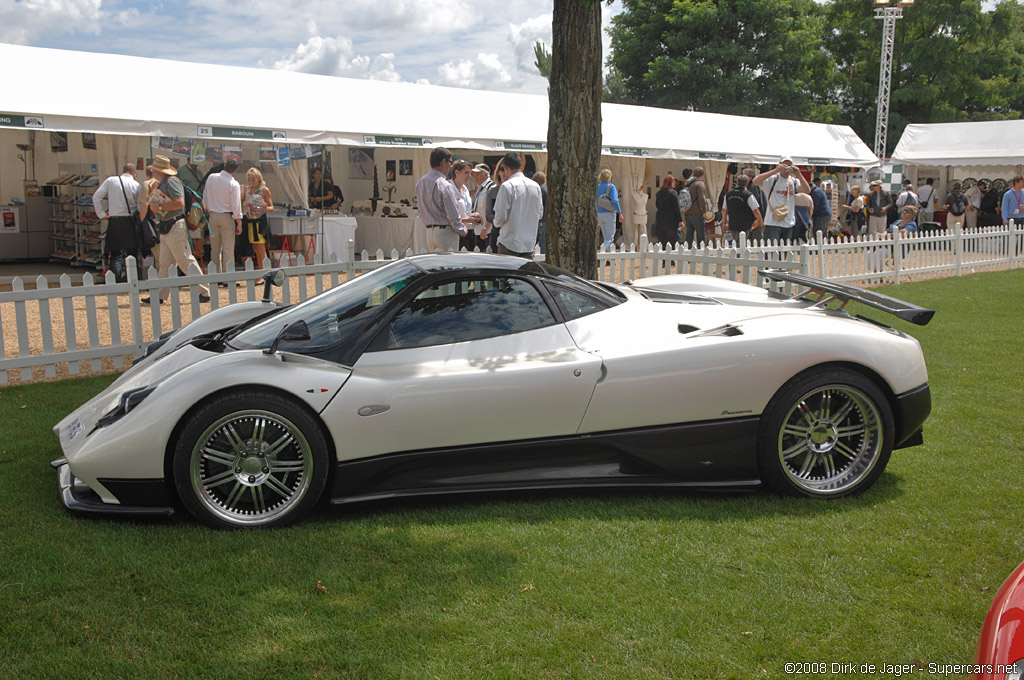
point(826, 435)
point(244, 467)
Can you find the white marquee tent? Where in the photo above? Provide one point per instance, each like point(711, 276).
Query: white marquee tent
point(962, 144)
point(57, 90)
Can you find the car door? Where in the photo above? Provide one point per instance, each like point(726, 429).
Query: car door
point(471, 360)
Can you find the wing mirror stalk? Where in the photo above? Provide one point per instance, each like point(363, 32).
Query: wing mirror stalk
point(270, 279)
point(293, 332)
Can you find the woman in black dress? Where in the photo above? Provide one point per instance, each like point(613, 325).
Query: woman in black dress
point(668, 217)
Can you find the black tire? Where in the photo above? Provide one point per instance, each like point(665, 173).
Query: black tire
point(825, 434)
point(250, 459)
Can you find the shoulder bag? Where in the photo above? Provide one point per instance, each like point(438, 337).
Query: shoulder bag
point(144, 232)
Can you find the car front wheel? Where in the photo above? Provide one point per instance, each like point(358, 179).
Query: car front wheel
point(825, 434)
point(250, 459)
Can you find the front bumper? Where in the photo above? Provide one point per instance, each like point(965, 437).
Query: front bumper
point(78, 497)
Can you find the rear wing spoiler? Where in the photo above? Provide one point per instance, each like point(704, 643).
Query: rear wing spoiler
point(904, 310)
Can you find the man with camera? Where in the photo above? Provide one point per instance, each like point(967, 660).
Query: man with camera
point(781, 184)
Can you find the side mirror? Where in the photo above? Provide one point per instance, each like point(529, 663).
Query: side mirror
point(294, 332)
point(272, 278)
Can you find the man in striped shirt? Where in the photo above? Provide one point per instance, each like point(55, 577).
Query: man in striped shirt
point(439, 204)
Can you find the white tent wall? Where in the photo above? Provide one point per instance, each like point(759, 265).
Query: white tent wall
point(109, 156)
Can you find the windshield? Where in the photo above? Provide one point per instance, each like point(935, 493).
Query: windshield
point(334, 315)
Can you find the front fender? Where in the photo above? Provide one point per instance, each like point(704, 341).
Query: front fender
point(134, 446)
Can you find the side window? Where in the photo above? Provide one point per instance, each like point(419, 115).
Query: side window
point(469, 309)
point(573, 304)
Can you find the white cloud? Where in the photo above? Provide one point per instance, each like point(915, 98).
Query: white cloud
point(485, 73)
point(524, 36)
point(23, 22)
point(336, 57)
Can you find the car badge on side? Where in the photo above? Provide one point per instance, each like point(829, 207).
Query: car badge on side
point(373, 409)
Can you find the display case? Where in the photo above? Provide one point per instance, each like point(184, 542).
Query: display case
point(77, 233)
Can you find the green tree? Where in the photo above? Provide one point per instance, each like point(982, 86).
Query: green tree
point(760, 58)
point(574, 135)
point(951, 62)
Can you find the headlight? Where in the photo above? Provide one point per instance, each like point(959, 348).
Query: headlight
point(129, 400)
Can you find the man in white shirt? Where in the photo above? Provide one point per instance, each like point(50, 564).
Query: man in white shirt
point(517, 209)
point(116, 200)
point(781, 184)
point(973, 195)
point(482, 176)
point(222, 198)
point(926, 195)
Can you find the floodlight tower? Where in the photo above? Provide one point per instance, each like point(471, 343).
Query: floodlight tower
point(888, 15)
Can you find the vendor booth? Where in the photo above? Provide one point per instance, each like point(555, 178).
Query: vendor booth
point(965, 152)
point(372, 138)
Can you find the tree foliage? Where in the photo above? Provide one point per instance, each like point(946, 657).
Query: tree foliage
point(820, 62)
point(760, 58)
point(543, 59)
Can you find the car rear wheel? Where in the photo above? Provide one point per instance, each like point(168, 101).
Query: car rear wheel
point(250, 459)
point(825, 434)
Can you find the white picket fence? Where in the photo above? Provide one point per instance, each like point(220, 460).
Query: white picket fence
point(97, 321)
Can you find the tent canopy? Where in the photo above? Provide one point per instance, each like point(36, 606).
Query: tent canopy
point(103, 93)
point(998, 142)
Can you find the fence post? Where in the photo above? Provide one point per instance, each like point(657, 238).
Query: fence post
point(958, 247)
point(897, 255)
point(135, 306)
point(350, 259)
point(805, 256)
point(644, 247)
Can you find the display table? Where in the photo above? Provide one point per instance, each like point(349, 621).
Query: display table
point(390, 233)
point(338, 230)
point(297, 230)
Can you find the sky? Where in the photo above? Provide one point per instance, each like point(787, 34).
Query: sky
point(480, 44)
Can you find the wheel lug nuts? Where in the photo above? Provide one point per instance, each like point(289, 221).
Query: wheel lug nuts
point(266, 470)
point(251, 479)
point(238, 469)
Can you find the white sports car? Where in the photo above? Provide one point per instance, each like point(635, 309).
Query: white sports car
point(451, 373)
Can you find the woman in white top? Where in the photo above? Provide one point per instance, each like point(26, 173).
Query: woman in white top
point(256, 203)
point(460, 178)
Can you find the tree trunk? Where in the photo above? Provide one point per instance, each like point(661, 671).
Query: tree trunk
point(574, 136)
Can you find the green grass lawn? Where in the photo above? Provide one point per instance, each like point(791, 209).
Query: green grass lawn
point(568, 585)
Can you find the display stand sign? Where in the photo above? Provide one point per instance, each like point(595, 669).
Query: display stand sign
point(625, 151)
point(239, 133)
point(708, 156)
point(388, 140)
point(283, 158)
point(9, 220)
point(12, 120)
point(519, 146)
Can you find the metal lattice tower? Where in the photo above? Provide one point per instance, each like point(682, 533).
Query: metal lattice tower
point(889, 15)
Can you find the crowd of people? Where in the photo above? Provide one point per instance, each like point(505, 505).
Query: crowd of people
point(780, 205)
point(506, 212)
point(237, 216)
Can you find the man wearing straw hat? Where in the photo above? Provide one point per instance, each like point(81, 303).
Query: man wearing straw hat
point(167, 202)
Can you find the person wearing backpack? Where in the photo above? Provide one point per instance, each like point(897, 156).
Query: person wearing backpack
point(955, 205)
point(607, 207)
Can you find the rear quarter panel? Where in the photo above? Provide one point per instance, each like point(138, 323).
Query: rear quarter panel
point(655, 375)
